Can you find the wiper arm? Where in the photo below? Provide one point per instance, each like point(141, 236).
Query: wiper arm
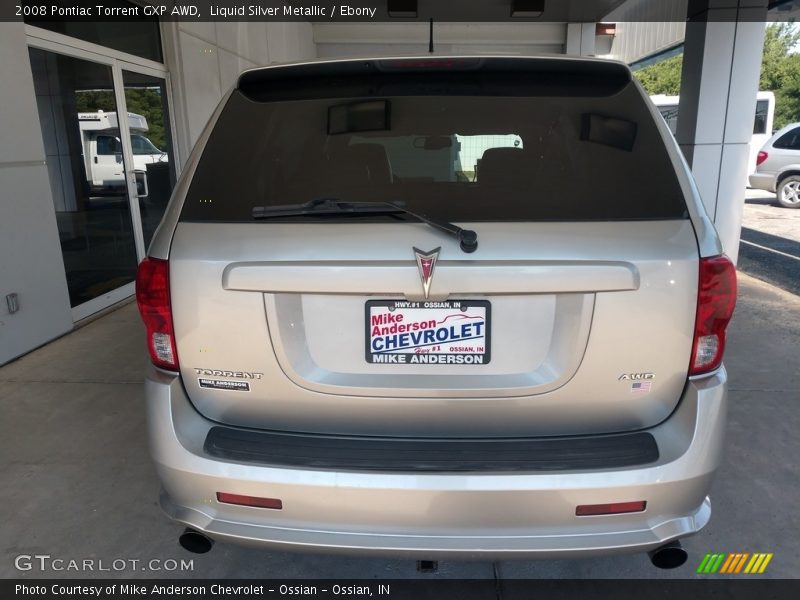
point(467, 238)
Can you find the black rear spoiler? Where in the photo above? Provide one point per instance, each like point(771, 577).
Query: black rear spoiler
point(441, 75)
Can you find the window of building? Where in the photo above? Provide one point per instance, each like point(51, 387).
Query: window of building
point(139, 36)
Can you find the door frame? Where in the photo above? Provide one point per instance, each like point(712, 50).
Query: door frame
point(51, 41)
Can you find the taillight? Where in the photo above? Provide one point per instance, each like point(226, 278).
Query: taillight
point(716, 299)
point(762, 156)
point(152, 296)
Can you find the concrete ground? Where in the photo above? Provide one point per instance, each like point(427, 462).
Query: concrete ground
point(770, 241)
point(77, 482)
point(763, 213)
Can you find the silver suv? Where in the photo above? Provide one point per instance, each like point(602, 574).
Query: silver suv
point(423, 307)
point(778, 166)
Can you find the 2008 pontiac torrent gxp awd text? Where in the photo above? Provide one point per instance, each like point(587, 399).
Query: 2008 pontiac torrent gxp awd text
point(465, 307)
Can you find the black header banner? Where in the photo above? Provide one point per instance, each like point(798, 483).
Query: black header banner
point(343, 11)
point(401, 589)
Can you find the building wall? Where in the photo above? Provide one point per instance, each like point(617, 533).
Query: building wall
point(205, 58)
point(635, 41)
point(646, 27)
point(30, 255)
point(397, 39)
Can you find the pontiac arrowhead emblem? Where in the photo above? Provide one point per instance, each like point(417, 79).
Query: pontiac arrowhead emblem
point(426, 262)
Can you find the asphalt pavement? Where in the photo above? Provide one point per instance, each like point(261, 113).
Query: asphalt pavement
point(78, 483)
point(770, 241)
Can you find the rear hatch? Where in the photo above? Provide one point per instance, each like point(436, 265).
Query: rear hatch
point(574, 315)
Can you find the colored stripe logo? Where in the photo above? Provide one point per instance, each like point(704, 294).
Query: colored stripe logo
point(735, 563)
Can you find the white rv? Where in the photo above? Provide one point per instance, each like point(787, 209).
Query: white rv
point(102, 150)
point(762, 124)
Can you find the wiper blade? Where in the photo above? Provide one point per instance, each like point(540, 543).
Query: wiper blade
point(467, 238)
point(320, 206)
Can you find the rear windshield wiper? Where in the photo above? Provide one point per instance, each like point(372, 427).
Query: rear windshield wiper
point(467, 238)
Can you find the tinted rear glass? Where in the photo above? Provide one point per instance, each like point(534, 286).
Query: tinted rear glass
point(492, 150)
point(790, 140)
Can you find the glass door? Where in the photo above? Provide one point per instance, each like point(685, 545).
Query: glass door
point(86, 165)
point(152, 159)
point(110, 159)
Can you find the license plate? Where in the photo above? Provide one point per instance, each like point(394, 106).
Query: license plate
point(453, 332)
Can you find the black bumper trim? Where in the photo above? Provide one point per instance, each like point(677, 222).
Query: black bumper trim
point(349, 453)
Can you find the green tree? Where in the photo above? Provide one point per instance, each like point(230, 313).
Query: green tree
point(780, 73)
point(662, 77)
point(94, 100)
point(147, 102)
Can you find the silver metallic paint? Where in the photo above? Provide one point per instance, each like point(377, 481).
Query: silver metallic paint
point(244, 302)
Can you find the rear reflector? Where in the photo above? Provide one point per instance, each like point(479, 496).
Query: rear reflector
point(615, 508)
point(152, 296)
point(716, 299)
point(762, 156)
point(226, 498)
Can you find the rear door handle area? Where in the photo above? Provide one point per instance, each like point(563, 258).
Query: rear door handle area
point(452, 277)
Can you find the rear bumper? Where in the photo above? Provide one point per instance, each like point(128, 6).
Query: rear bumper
point(763, 181)
point(438, 515)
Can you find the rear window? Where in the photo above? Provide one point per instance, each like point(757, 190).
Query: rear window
point(762, 112)
point(495, 150)
point(789, 141)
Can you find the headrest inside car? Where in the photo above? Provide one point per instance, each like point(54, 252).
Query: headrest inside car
point(503, 166)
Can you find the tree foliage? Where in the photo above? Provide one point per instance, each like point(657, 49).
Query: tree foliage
point(148, 102)
point(780, 73)
point(662, 77)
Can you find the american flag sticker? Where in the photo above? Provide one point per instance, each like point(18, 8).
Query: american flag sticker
point(641, 387)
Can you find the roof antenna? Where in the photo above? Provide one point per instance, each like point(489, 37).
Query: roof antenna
point(430, 37)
